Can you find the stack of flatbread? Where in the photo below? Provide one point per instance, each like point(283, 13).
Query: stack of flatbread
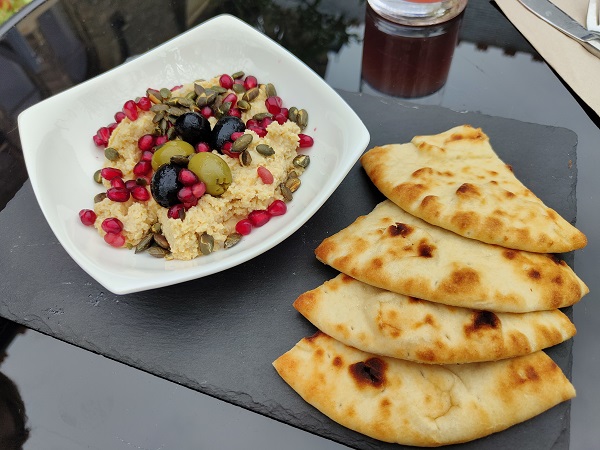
point(433, 332)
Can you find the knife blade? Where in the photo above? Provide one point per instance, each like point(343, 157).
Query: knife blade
point(560, 20)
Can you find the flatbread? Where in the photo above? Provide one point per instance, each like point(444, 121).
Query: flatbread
point(394, 250)
point(382, 322)
point(456, 181)
point(416, 404)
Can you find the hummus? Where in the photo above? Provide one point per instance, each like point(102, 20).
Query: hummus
point(216, 216)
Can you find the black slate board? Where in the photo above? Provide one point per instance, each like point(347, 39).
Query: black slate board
point(219, 334)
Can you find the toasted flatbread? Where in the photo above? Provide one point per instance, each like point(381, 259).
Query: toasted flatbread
point(382, 322)
point(455, 180)
point(417, 404)
point(394, 250)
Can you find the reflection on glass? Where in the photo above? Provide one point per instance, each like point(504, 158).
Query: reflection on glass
point(407, 61)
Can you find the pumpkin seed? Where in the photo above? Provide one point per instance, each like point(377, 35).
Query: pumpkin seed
point(174, 111)
point(154, 96)
point(99, 197)
point(241, 143)
point(251, 94)
point(206, 243)
point(206, 98)
point(159, 107)
point(263, 115)
point(163, 125)
point(286, 192)
point(245, 158)
point(225, 107)
point(238, 88)
point(165, 93)
point(232, 239)
point(198, 89)
point(171, 132)
point(238, 74)
point(218, 89)
point(144, 243)
point(292, 174)
point(293, 183)
point(292, 113)
point(156, 227)
point(302, 119)
point(98, 176)
point(158, 252)
point(271, 91)
point(301, 161)
point(161, 241)
point(192, 97)
point(158, 117)
point(265, 150)
point(244, 105)
point(111, 154)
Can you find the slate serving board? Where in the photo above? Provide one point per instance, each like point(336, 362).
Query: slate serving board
point(219, 334)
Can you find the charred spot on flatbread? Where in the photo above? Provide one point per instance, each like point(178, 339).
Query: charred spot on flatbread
point(482, 320)
point(370, 372)
point(468, 190)
point(425, 249)
point(400, 229)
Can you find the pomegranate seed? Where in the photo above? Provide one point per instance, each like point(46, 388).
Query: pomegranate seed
point(130, 184)
point(140, 193)
point(265, 175)
point(174, 88)
point(146, 155)
point(130, 110)
point(87, 217)
point(103, 135)
point(305, 141)
point(226, 149)
point(230, 98)
point(117, 182)
point(236, 135)
point(206, 111)
point(176, 212)
point(120, 115)
point(146, 142)
point(118, 194)
point(244, 227)
point(250, 82)
point(160, 140)
point(258, 217)
point(185, 194)
point(235, 112)
point(187, 177)
point(116, 240)
point(190, 204)
point(258, 130)
point(111, 127)
point(202, 147)
point(280, 118)
point(252, 123)
point(226, 81)
point(142, 168)
point(98, 141)
point(144, 104)
point(112, 225)
point(266, 122)
point(285, 112)
point(108, 173)
point(277, 208)
point(274, 104)
point(199, 189)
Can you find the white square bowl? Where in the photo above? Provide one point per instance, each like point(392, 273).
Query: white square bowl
point(56, 136)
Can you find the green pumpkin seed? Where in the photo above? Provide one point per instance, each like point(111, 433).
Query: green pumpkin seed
point(292, 113)
point(293, 183)
point(232, 239)
point(174, 111)
point(99, 197)
point(192, 97)
point(111, 154)
point(206, 98)
point(159, 107)
point(218, 89)
point(244, 105)
point(286, 192)
point(154, 96)
point(158, 117)
point(144, 243)
point(263, 115)
point(158, 252)
point(171, 133)
point(265, 150)
point(245, 158)
point(225, 107)
point(98, 176)
point(238, 88)
point(206, 243)
point(301, 161)
point(198, 89)
point(165, 93)
point(241, 143)
point(238, 74)
point(292, 174)
point(271, 91)
point(156, 227)
point(251, 94)
point(161, 241)
point(302, 119)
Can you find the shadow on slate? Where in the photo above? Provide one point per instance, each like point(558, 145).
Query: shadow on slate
point(219, 334)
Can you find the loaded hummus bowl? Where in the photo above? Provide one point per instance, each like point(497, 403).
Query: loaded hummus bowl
point(192, 169)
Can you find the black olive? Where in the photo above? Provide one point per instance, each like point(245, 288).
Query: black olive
point(164, 186)
point(193, 128)
point(223, 129)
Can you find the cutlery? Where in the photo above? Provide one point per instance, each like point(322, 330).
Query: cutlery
point(593, 19)
point(548, 12)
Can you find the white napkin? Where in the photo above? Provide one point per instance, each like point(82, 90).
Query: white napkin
point(577, 67)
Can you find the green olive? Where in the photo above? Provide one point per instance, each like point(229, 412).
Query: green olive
point(170, 148)
point(212, 170)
